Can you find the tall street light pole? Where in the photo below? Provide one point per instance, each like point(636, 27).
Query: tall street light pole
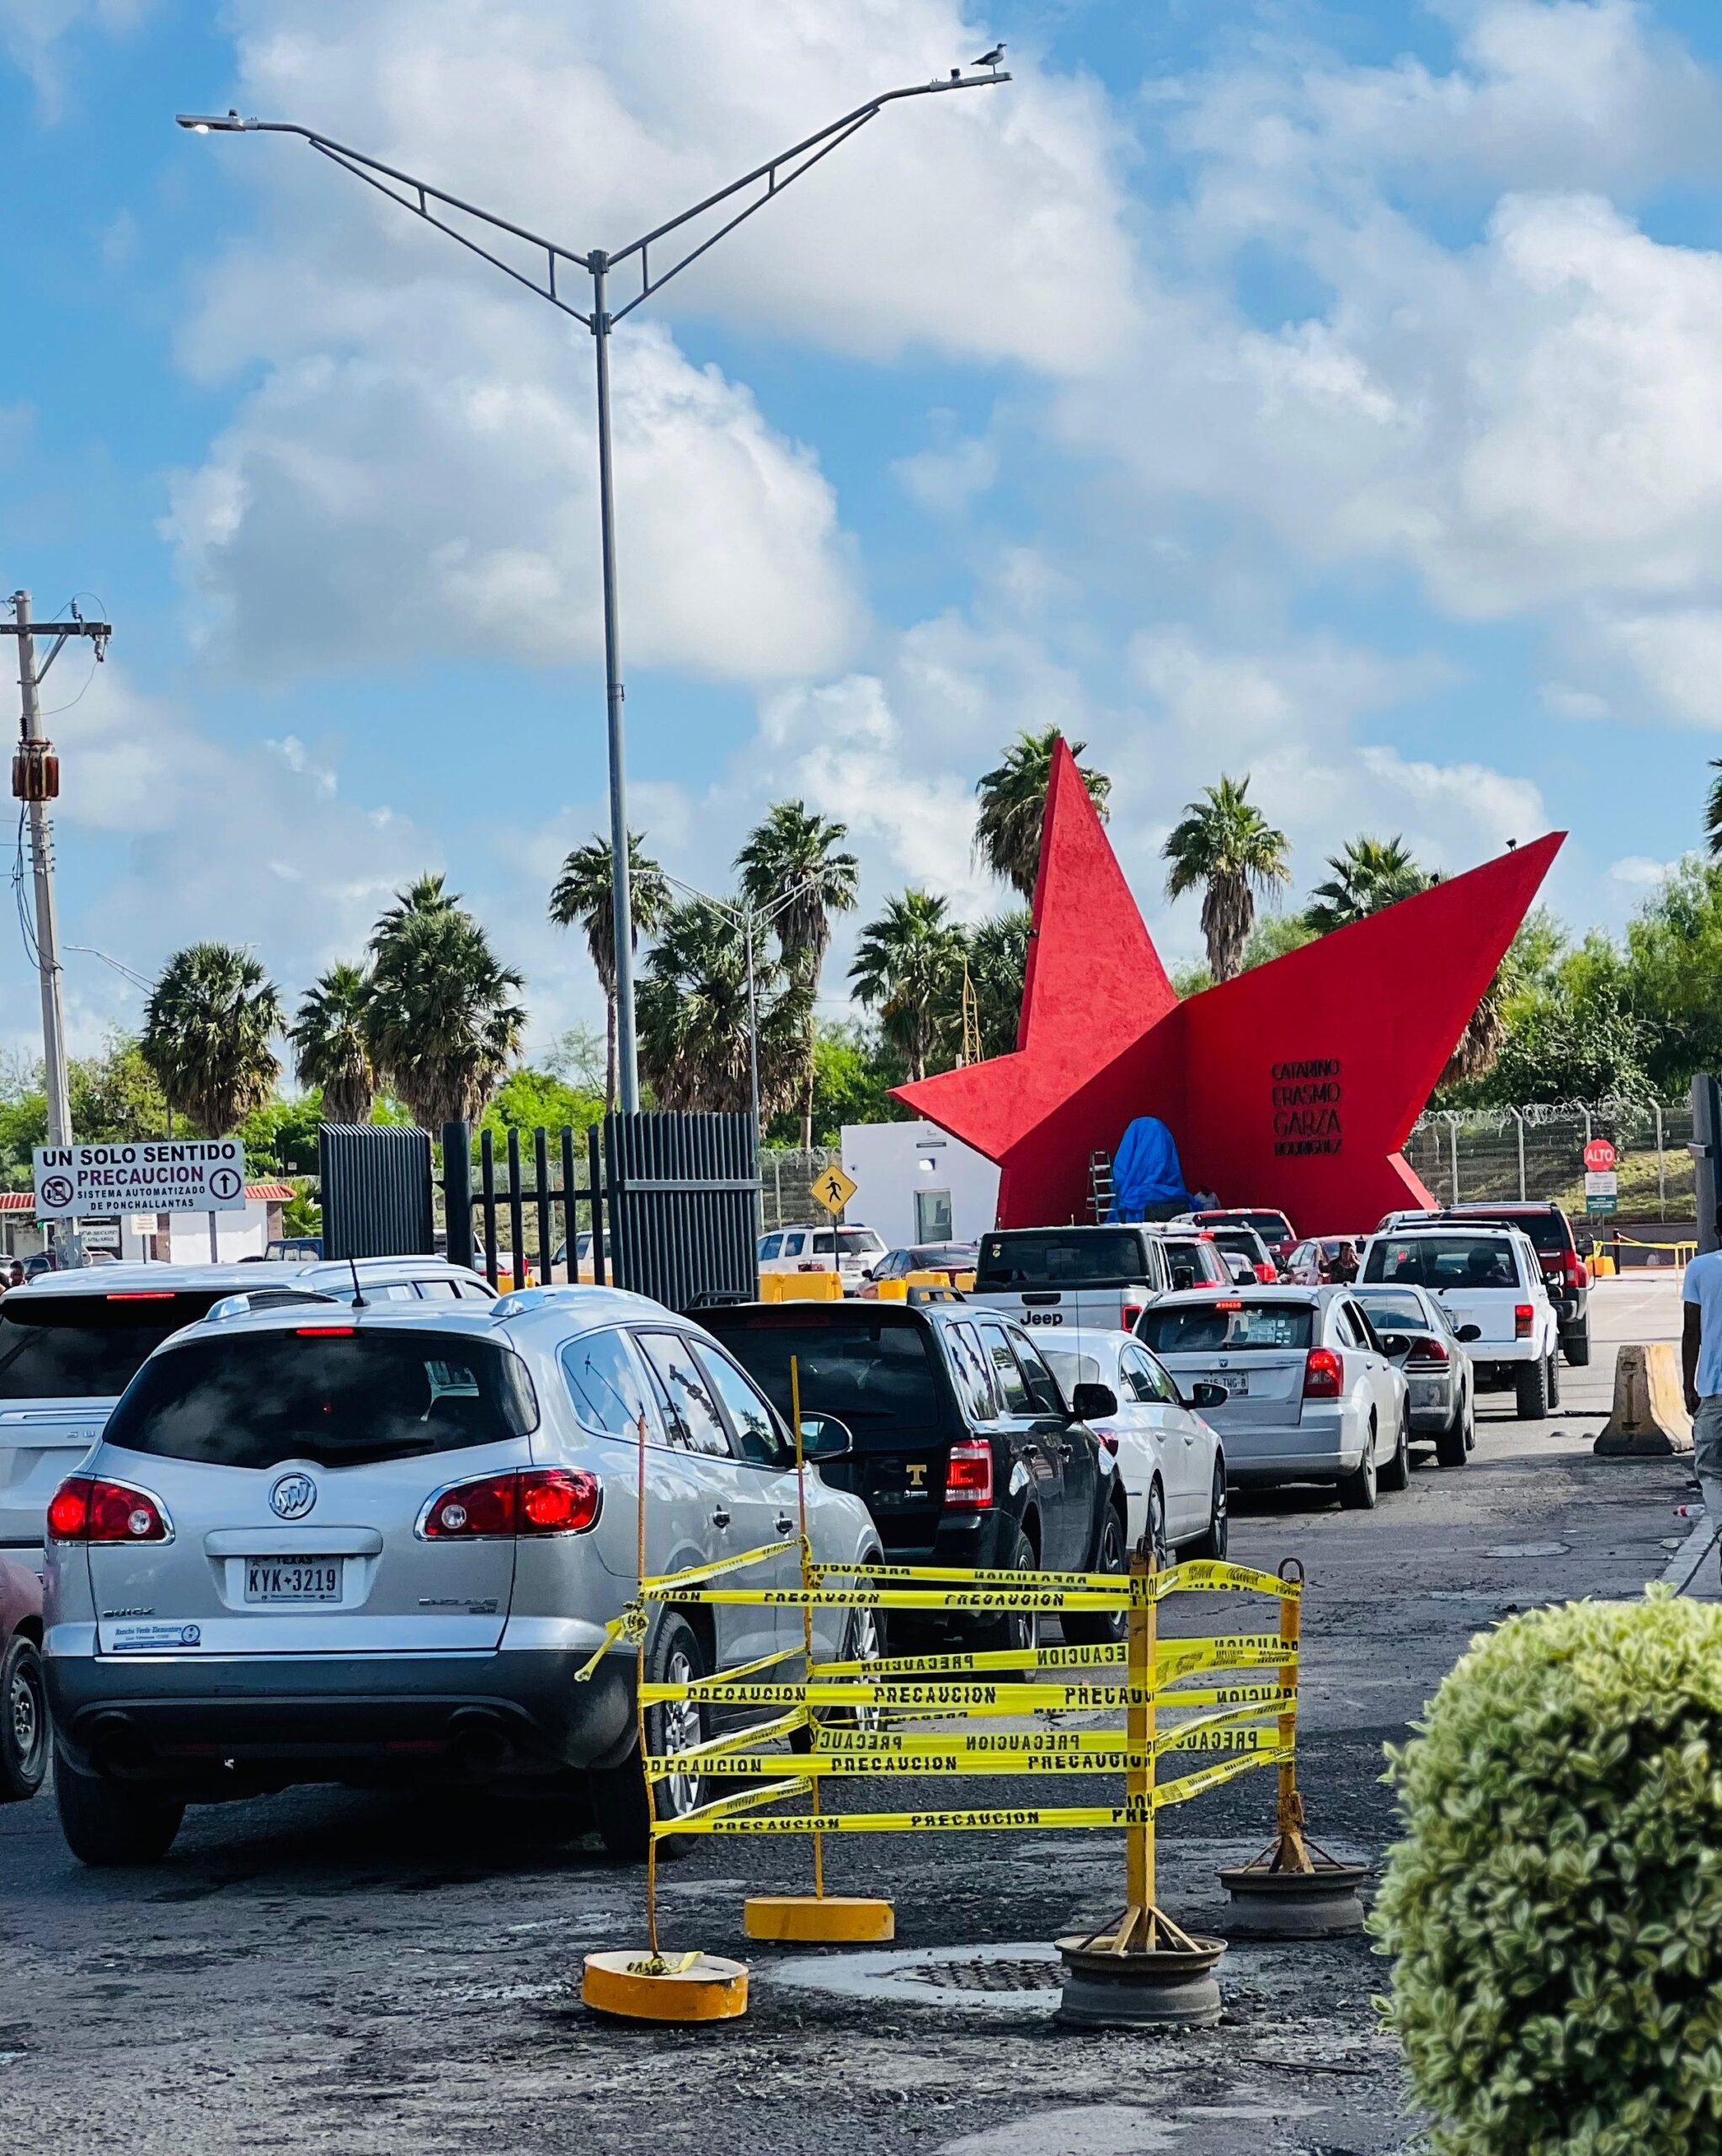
point(427, 203)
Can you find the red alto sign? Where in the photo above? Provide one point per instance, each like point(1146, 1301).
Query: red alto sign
point(1599, 1156)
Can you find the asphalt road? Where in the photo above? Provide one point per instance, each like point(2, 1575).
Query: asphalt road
point(326, 1971)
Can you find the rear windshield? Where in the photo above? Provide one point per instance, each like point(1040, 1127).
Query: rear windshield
point(1201, 1328)
point(1548, 1231)
point(88, 1347)
point(1243, 1240)
point(874, 1374)
point(1395, 1311)
point(1454, 1261)
point(345, 1399)
point(1041, 1260)
point(1271, 1227)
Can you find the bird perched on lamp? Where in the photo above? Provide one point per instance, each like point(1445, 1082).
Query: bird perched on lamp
point(992, 59)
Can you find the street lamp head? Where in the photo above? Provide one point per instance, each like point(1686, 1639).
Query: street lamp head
point(201, 122)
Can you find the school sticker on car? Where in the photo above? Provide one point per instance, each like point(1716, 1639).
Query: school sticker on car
point(155, 1639)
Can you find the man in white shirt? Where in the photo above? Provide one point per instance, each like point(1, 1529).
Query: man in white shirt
point(1701, 1365)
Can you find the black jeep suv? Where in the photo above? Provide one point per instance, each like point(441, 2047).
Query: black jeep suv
point(966, 1452)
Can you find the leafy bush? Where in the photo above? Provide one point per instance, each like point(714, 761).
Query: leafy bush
point(1556, 1908)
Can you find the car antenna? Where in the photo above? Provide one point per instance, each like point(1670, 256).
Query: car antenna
point(358, 1301)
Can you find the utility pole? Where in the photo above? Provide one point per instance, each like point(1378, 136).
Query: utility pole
point(36, 781)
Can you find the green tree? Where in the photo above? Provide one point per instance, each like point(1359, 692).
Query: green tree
point(909, 968)
point(331, 1051)
point(577, 1057)
point(998, 964)
point(281, 1137)
point(528, 1099)
point(441, 1021)
point(1276, 936)
point(582, 897)
point(1368, 874)
point(1013, 806)
point(1226, 847)
point(851, 1083)
point(207, 1031)
point(1673, 957)
point(793, 860)
point(692, 1009)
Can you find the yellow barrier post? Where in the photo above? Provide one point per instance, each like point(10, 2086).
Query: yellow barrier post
point(828, 1919)
point(649, 1987)
point(1294, 1889)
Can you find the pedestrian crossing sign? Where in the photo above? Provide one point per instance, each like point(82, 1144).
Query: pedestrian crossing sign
point(833, 1189)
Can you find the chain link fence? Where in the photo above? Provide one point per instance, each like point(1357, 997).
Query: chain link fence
point(1470, 1156)
point(786, 1177)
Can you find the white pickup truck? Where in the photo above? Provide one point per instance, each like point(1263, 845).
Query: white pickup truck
point(1048, 1277)
point(1490, 1277)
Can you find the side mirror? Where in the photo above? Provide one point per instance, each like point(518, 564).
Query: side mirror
point(1089, 1402)
point(1183, 1276)
point(1395, 1344)
point(1207, 1395)
point(1469, 1332)
point(822, 1437)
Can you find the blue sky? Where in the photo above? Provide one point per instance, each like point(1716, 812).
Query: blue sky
point(1325, 393)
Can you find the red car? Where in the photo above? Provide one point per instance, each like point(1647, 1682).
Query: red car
point(23, 1699)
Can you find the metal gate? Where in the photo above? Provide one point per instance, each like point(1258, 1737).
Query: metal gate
point(667, 1204)
point(374, 1181)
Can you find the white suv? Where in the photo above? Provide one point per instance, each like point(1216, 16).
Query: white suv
point(1487, 1276)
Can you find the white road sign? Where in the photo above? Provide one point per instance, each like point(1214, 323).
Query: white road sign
point(156, 1175)
point(1603, 1183)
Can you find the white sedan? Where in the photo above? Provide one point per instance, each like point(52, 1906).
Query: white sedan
point(1169, 1461)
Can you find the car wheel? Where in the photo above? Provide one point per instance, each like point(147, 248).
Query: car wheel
point(1213, 1543)
point(619, 1800)
point(1576, 1347)
point(23, 1722)
point(1470, 1421)
point(1452, 1444)
point(1357, 1489)
point(1099, 1628)
point(107, 1822)
point(1530, 1390)
point(1554, 1380)
point(1019, 1632)
point(1397, 1473)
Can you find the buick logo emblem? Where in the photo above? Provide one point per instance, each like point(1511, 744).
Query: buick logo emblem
point(293, 1496)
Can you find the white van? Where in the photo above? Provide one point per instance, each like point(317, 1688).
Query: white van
point(810, 1248)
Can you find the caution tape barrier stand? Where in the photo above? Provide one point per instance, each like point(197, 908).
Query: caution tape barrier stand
point(1229, 1701)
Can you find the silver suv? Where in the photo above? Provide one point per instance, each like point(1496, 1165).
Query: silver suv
point(378, 1543)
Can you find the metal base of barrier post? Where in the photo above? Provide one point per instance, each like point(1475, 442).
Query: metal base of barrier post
point(1288, 1892)
point(1168, 1986)
point(833, 1919)
point(643, 1987)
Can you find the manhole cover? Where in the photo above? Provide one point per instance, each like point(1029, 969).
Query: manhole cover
point(1529, 1549)
point(988, 1976)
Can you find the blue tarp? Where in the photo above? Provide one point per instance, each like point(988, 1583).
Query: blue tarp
point(1147, 1180)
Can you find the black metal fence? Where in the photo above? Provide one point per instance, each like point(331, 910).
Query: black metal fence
point(666, 1205)
point(374, 1180)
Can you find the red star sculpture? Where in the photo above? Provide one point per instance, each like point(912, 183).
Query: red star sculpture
point(1294, 1085)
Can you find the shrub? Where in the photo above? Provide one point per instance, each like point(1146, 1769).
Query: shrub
point(1556, 1907)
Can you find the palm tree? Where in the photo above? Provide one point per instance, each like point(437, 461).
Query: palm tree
point(583, 897)
point(1712, 811)
point(1226, 844)
point(998, 963)
point(207, 1028)
point(909, 968)
point(791, 860)
point(692, 1007)
point(1013, 806)
point(1368, 874)
point(440, 1020)
point(330, 1049)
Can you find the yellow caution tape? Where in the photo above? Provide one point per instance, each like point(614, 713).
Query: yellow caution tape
point(1120, 1594)
point(1210, 1575)
point(1215, 1575)
point(988, 1658)
point(657, 1586)
point(631, 1626)
point(971, 1576)
point(710, 1687)
point(1008, 1698)
point(722, 1807)
point(1117, 1758)
point(715, 1749)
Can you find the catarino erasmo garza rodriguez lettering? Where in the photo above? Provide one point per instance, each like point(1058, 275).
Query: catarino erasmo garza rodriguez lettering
point(1306, 1096)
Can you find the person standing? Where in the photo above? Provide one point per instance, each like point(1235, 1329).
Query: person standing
point(1701, 1368)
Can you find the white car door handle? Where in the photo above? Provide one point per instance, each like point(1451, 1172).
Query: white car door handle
point(786, 1525)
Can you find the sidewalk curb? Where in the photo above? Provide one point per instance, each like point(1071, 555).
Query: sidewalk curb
point(1682, 1562)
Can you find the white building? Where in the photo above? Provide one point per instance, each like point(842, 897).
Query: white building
point(915, 1183)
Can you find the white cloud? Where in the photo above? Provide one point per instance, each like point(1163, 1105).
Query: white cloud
point(1678, 656)
point(1561, 700)
point(1638, 874)
point(947, 481)
point(31, 32)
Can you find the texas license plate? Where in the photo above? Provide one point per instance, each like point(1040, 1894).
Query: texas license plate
point(293, 1579)
point(1236, 1382)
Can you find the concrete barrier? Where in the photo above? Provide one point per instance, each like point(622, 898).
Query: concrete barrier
point(801, 1288)
point(1649, 1419)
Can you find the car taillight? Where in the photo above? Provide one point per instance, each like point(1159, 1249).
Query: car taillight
point(1323, 1374)
point(1427, 1354)
point(1573, 1270)
point(1521, 1317)
point(1267, 1274)
point(1129, 1314)
point(968, 1477)
point(534, 1501)
point(86, 1508)
point(1109, 1438)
